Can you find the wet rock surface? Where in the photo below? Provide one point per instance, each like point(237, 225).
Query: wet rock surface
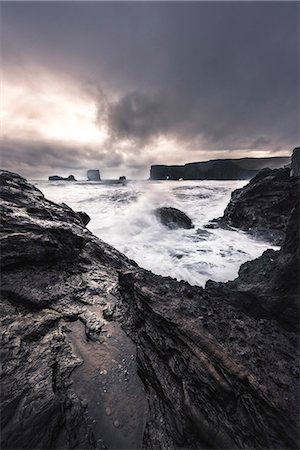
point(295, 163)
point(191, 367)
point(173, 218)
point(268, 287)
point(263, 206)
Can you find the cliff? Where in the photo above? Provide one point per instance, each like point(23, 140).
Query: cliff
point(295, 164)
point(264, 205)
point(219, 169)
point(215, 373)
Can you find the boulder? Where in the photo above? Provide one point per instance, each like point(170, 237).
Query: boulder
point(173, 218)
point(84, 217)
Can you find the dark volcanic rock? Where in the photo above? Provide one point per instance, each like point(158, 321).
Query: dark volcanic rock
point(58, 178)
point(218, 169)
point(173, 218)
point(295, 164)
point(268, 287)
point(215, 375)
point(264, 205)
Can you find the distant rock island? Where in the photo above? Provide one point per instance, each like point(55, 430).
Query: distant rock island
point(218, 169)
point(93, 175)
point(58, 178)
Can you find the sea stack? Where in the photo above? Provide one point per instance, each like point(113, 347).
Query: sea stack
point(58, 178)
point(93, 175)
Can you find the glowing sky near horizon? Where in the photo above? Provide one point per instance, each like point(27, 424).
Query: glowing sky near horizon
point(123, 86)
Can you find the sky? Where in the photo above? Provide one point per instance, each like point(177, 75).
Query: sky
point(122, 85)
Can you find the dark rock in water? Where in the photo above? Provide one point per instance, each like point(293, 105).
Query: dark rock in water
point(204, 234)
point(93, 175)
point(295, 165)
point(264, 205)
point(58, 178)
point(216, 374)
point(173, 218)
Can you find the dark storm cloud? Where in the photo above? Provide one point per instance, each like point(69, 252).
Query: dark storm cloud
point(137, 115)
point(222, 73)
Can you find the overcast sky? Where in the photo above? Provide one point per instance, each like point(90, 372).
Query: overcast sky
point(121, 86)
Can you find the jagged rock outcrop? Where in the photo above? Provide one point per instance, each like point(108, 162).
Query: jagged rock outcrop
point(173, 218)
point(218, 169)
point(215, 376)
point(93, 175)
point(295, 164)
point(58, 178)
point(263, 206)
point(269, 287)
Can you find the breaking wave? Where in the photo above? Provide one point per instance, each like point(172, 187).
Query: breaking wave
point(123, 216)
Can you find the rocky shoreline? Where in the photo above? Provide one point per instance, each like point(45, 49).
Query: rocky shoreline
point(196, 368)
point(263, 206)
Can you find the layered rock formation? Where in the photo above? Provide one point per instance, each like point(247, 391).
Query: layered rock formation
point(215, 374)
point(218, 169)
point(263, 206)
point(268, 287)
point(93, 175)
point(58, 178)
point(295, 164)
point(173, 218)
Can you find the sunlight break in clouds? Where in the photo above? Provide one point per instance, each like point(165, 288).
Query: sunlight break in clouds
point(52, 111)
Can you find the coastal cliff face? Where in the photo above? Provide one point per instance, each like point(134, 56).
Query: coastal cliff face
point(219, 169)
point(295, 164)
point(263, 206)
point(268, 287)
point(214, 372)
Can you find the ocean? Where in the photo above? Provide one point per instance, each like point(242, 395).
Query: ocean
point(122, 215)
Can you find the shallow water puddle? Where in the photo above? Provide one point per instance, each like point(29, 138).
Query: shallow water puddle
point(108, 380)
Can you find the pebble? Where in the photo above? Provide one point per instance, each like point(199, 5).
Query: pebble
point(108, 411)
point(116, 423)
